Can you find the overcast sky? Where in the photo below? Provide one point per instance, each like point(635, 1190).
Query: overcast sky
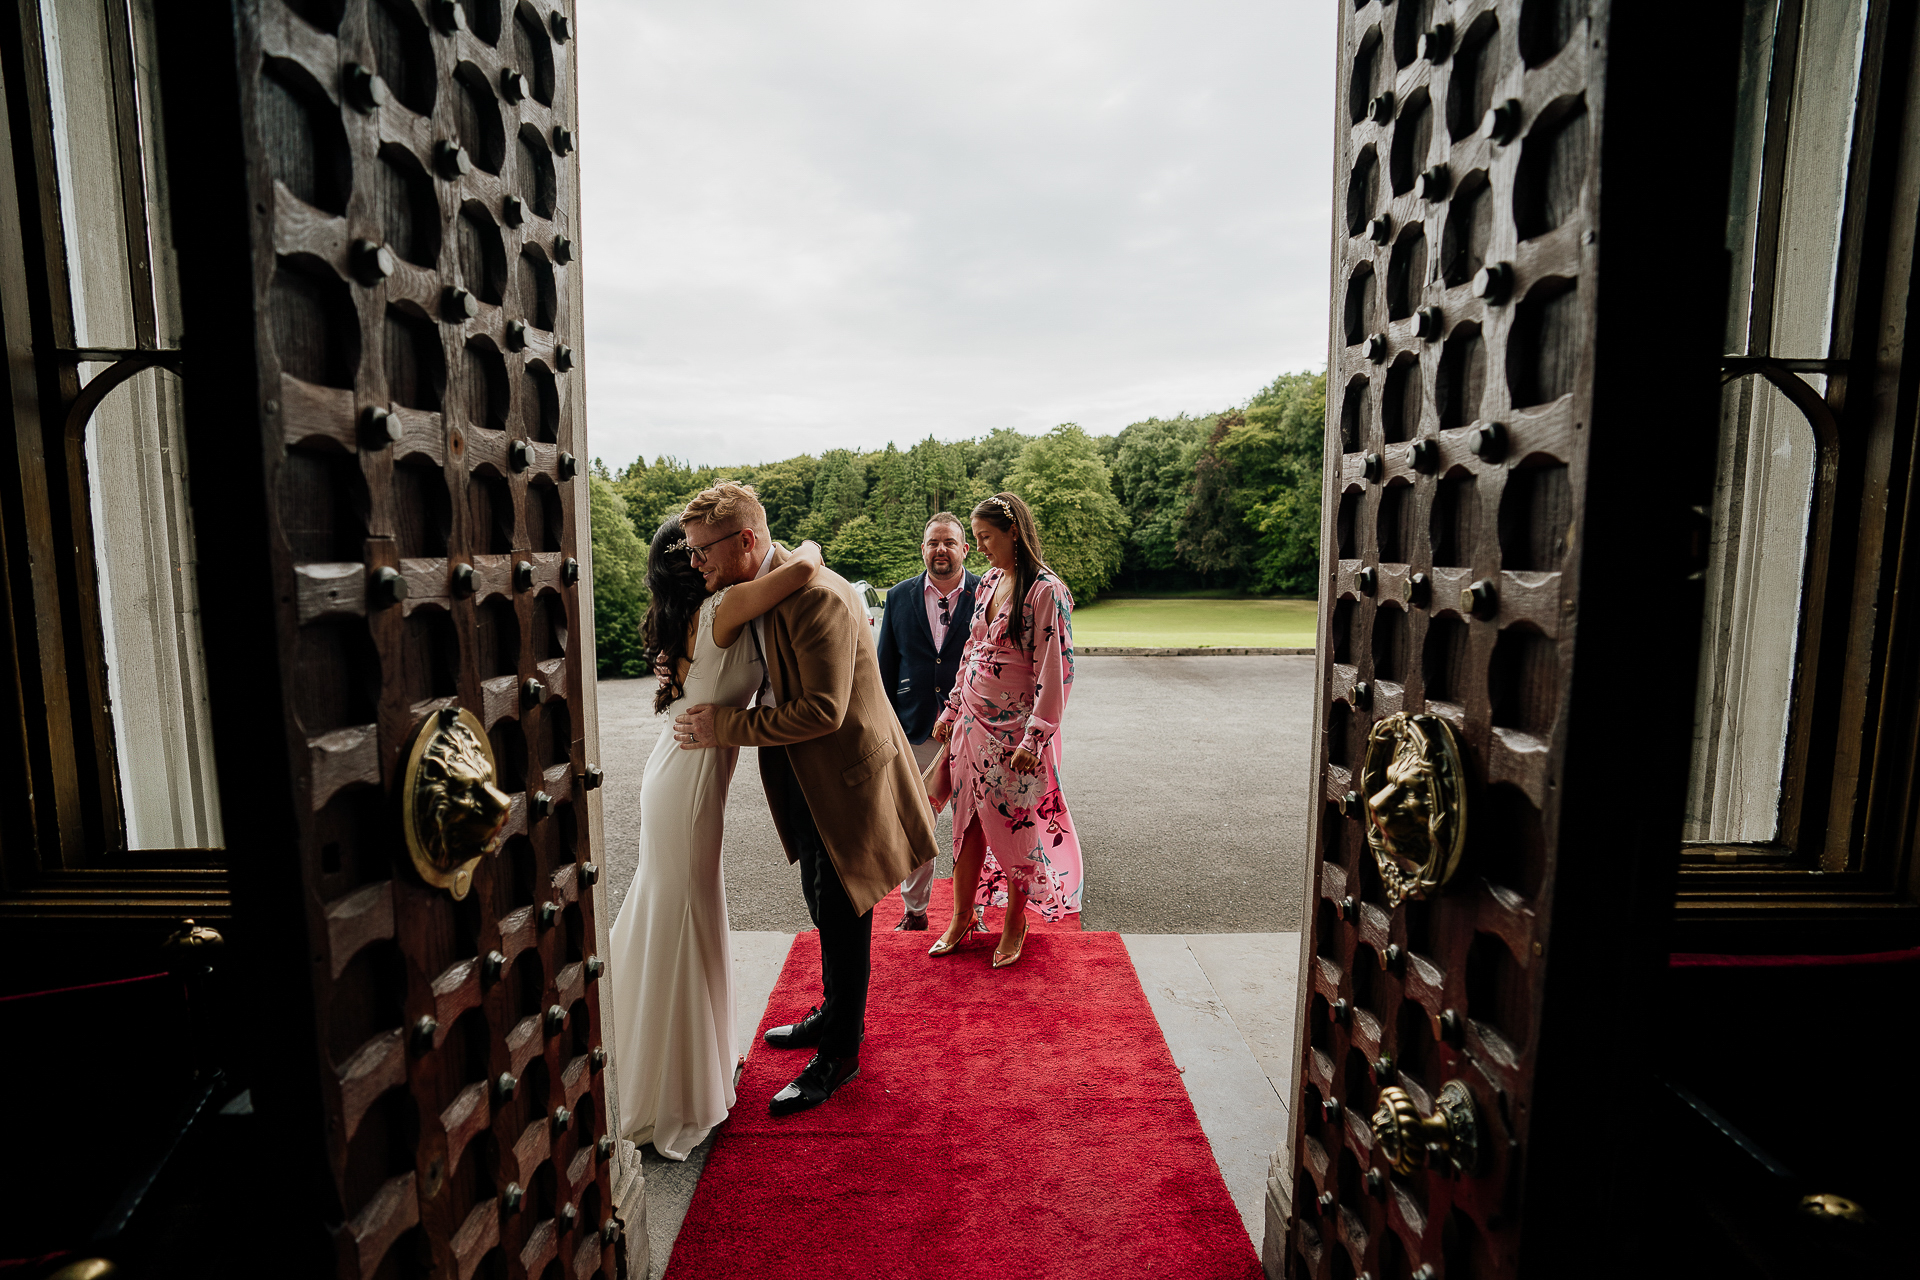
point(821, 223)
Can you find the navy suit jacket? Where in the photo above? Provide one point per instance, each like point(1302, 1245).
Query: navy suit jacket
point(916, 677)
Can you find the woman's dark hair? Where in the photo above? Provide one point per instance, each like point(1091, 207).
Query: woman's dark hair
point(676, 589)
point(1005, 511)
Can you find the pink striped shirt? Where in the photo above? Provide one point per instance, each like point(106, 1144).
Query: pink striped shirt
point(933, 598)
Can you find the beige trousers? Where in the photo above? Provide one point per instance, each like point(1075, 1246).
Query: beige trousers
point(916, 891)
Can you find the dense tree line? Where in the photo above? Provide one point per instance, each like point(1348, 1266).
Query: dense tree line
point(1225, 500)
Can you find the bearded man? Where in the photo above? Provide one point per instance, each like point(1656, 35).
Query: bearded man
point(921, 637)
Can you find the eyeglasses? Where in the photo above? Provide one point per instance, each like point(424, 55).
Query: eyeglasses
point(698, 555)
point(945, 619)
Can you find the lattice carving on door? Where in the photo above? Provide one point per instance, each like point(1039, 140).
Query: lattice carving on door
point(1457, 413)
point(412, 186)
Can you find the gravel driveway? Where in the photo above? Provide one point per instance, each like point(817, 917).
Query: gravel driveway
point(1186, 776)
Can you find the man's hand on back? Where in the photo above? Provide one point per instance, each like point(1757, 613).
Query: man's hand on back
point(693, 728)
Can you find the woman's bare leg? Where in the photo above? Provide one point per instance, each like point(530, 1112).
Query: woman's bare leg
point(966, 882)
point(1010, 931)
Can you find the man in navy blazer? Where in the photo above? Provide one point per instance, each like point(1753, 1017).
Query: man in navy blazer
point(922, 633)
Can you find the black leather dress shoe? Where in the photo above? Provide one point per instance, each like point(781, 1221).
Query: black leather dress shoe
point(804, 1034)
point(814, 1085)
point(911, 922)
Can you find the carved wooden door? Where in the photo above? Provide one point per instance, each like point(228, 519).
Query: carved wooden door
point(1524, 332)
point(411, 196)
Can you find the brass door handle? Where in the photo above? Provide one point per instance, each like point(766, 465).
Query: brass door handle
point(192, 949)
point(191, 938)
point(1449, 1140)
point(1833, 1208)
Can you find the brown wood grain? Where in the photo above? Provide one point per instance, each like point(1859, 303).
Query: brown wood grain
point(1497, 678)
point(442, 498)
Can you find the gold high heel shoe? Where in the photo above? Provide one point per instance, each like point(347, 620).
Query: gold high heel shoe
point(1004, 961)
point(942, 947)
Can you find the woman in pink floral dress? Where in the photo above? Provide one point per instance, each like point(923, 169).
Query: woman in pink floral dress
point(1012, 833)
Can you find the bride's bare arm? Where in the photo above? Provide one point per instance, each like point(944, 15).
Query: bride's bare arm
point(748, 600)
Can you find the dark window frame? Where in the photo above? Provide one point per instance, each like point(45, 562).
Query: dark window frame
point(1840, 875)
point(63, 854)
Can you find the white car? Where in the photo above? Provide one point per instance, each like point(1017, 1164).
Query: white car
point(875, 605)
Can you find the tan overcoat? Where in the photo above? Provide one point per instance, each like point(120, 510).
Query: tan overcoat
point(850, 754)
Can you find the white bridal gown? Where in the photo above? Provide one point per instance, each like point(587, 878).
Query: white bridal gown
point(672, 971)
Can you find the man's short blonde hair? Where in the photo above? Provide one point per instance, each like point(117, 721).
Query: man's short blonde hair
point(728, 502)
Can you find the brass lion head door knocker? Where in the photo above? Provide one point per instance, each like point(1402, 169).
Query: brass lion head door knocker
point(449, 807)
point(1416, 804)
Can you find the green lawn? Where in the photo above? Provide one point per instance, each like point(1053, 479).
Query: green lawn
point(1192, 621)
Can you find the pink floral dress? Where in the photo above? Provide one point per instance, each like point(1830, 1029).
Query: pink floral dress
point(1009, 697)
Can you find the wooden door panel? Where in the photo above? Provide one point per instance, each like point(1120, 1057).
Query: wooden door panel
point(1463, 449)
point(1469, 400)
point(413, 187)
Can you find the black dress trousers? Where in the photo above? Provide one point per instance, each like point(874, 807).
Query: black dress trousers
point(846, 936)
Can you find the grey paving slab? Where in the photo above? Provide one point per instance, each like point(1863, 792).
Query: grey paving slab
point(1254, 975)
point(1187, 776)
point(670, 1185)
point(757, 958)
point(1239, 1111)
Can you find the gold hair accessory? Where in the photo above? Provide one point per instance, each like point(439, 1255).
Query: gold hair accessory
point(1006, 508)
point(682, 545)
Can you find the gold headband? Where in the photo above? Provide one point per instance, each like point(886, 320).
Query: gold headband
point(1006, 508)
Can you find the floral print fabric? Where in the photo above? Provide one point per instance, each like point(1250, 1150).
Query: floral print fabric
point(1009, 697)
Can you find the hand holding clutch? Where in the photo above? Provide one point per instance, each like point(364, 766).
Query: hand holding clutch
point(938, 780)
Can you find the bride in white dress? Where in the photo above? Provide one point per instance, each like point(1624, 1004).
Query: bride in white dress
point(672, 970)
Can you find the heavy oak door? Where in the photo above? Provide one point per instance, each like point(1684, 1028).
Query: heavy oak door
point(1525, 321)
point(383, 281)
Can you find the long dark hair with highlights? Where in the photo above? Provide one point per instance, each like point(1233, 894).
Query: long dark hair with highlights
point(676, 589)
point(1005, 511)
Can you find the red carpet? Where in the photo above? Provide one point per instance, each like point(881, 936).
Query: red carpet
point(1024, 1124)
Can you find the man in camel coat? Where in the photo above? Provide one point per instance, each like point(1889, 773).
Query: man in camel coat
point(839, 772)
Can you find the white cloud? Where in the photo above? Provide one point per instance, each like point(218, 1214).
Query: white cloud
point(812, 223)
